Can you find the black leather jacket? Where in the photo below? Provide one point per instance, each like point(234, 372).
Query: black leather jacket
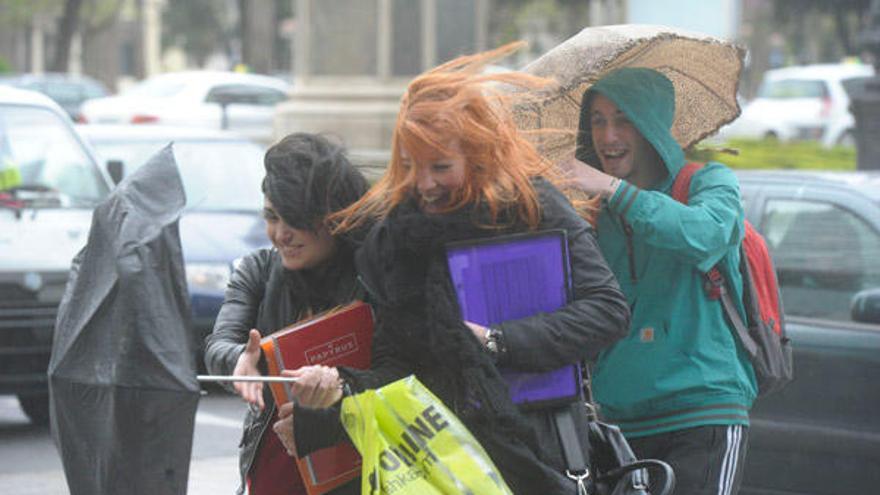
point(263, 295)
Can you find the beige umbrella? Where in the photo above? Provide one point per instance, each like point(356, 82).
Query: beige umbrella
point(704, 70)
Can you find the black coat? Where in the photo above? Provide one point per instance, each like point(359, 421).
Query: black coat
point(263, 295)
point(597, 317)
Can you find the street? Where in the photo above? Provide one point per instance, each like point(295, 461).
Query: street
point(30, 465)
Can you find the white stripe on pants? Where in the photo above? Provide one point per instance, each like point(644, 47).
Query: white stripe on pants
point(731, 457)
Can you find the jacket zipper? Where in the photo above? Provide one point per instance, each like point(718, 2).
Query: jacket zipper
point(630, 251)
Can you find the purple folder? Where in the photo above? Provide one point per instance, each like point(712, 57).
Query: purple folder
point(510, 277)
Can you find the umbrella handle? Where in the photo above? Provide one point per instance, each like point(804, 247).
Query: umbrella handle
point(229, 378)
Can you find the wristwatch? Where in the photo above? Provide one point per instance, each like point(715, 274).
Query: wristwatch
point(494, 341)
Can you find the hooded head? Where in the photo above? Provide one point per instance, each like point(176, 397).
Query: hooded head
point(647, 98)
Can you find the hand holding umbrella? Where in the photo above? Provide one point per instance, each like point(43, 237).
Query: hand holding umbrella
point(250, 391)
point(317, 387)
point(590, 179)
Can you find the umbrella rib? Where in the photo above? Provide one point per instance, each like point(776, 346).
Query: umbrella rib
point(638, 51)
point(709, 90)
point(618, 59)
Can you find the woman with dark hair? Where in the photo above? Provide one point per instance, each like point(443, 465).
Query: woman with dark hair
point(460, 170)
point(307, 270)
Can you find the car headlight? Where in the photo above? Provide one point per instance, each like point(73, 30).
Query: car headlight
point(207, 276)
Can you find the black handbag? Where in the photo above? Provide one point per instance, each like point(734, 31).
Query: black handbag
point(611, 467)
point(618, 472)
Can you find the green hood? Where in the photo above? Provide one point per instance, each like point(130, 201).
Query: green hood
point(647, 97)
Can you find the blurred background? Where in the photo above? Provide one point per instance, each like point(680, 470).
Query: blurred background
point(224, 79)
point(120, 41)
point(340, 65)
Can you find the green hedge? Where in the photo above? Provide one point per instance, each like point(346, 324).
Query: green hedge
point(774, 154)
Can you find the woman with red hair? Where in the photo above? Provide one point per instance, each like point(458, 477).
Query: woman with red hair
point(461, 170)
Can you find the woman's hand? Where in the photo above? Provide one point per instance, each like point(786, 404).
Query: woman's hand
point(317, 387)
point(251, 392)
point(480, 332)
point(284, 428)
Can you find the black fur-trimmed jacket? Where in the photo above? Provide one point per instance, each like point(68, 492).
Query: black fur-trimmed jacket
point(597, 316)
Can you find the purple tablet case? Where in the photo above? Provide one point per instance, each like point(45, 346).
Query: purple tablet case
point(513, 276)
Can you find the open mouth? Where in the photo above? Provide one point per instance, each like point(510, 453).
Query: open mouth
point(292, 250)
point(613, 154)
point(433, 202)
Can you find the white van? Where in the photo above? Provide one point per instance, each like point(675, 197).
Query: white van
point(49, 184)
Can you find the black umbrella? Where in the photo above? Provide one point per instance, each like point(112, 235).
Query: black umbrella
point(122, 377)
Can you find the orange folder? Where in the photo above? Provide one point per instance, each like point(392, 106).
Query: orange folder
point(340, 337)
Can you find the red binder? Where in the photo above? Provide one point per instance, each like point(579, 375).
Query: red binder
point(341, 337)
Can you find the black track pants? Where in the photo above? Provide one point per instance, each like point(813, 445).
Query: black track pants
point(707, 460)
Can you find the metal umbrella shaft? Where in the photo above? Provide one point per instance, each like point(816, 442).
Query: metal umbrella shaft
point(227, 378)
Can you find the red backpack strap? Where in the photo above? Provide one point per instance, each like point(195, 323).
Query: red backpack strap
point(713, 280)
point(682, 185)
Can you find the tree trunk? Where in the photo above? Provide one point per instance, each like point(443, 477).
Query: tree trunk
point(67, 27)
point(140, 62)
point(258, 25)
point(841, 24)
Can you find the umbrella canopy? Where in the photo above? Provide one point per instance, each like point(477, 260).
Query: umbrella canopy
point(122, 376)
point(704, 70)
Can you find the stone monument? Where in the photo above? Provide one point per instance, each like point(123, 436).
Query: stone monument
point(353, 59)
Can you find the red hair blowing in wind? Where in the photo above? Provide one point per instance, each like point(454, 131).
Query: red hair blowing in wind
point(454, 109)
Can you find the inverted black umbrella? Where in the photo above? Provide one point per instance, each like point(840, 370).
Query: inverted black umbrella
point(122, 376)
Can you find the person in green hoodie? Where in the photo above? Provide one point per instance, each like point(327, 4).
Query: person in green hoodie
point(679, 386)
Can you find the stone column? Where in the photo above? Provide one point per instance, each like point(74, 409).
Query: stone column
point(353, 59)
point(37, 55)
point(152, 32)
point(75, 65)
point(865, 101)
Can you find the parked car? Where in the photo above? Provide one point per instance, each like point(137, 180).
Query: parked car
point(808, 102)
point(49, 184)
point(820, 434)
point(67, 90)
point(244, 103)
point(222, 174)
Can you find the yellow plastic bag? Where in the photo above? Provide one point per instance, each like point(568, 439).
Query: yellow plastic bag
point(412, 444)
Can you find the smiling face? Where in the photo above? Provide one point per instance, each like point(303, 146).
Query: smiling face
point(623, 151)
point(437, 179)
point(299, 249)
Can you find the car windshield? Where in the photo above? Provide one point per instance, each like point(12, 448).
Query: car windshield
point(217, 175)
point(160, 87)
point(43, 163)
point(793, 88)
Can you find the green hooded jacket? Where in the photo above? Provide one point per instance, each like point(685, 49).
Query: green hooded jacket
point(681, 366)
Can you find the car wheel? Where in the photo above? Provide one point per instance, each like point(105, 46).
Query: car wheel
point(848, 138)
point(36, 407)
